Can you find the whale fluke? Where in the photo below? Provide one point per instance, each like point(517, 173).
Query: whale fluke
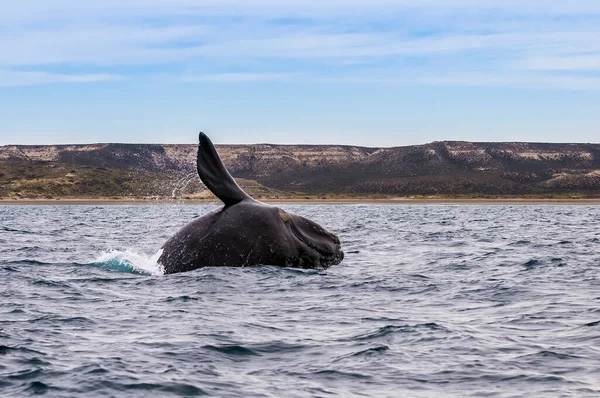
point(215, 176)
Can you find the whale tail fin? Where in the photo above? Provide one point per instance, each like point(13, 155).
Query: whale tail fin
point(215, 176)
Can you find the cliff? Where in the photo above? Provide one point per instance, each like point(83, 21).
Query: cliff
point(438, 168)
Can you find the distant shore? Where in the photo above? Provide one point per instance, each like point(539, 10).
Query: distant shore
point(336, 201)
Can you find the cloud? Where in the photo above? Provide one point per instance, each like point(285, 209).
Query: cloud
point(243, 77)
point(125, 46)
point(325, 40)
point(40, 9)
point(453, 79)
point(565, 63)
point(9, 78)
point(528, 81)
point(96, 44)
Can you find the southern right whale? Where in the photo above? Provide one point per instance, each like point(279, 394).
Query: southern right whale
point(245, 232)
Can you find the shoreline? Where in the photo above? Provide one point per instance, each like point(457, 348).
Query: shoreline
point(349, 201)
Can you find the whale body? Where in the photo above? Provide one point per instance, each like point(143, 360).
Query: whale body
point(245, 232)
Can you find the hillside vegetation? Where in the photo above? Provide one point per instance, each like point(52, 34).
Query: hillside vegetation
point(439, 168)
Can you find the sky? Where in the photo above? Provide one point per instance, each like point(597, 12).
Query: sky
point(355, 72)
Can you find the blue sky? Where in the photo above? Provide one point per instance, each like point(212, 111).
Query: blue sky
point(373, 73)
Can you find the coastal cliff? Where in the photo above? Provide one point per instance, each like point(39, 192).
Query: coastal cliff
point(439, 168)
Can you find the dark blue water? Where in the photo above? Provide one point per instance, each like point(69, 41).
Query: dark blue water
point(430, 301)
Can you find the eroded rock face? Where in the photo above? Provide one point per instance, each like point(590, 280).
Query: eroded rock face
point(448, 167)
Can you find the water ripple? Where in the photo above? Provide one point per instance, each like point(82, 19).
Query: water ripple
point(430, 301)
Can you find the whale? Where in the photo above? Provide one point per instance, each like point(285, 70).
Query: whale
point(245, 232)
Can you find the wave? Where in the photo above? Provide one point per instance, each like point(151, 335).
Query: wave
point(235, 350)
point(129, 261)
point(26, 262)
point(19, 231)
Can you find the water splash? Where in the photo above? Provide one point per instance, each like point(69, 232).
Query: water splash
point(129, 261)
point(182, 183)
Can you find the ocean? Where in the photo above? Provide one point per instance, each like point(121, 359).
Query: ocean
point(430, 301)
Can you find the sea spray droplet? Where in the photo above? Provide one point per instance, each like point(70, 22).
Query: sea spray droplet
point(128, 261)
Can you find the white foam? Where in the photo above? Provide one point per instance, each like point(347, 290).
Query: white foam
point(131, 260)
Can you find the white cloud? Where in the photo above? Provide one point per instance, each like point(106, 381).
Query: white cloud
point(565, 63)
point(243, 77)
point(456, 79)
point(515, 80)
point(40, 9)
point(96, 44)
point(343, 39)
point(10, 78)
point(125, 46)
